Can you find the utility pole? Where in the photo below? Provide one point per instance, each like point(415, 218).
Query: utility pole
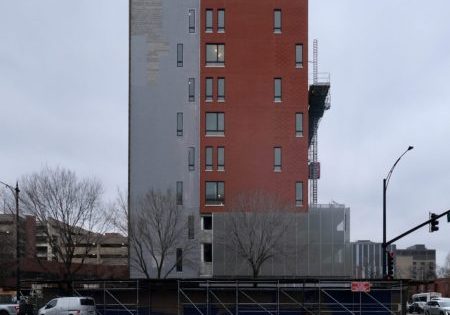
point(16, 191)
point(16, 195)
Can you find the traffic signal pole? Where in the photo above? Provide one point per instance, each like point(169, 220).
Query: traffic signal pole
point(434, 218)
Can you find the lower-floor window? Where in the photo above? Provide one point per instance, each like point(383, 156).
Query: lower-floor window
point(179, 264)
point(215, 193)
point(207, 252)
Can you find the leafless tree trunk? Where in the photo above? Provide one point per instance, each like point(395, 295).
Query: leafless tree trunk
point(158, 228)
point(256, 226)
point(70, 212)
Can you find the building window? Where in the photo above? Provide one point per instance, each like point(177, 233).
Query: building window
point(277, 159)
point(298, 194)
point(179, 260)
point(215, 193)
point(207, 252)
point(215, 54)
point(277, 21)
point(179, 55)
point(179, 193)
point(209, 21)
point(220, 158)
point(298, 124)
point(299, 55)
point(179, 124)
point(207, 223)
point(277, 89)
point(209, 158)
point(191, 21)
point(191, 158)
point(191, 85)
point(215, 124)
point(191, 229)
point(221, 20)
point(221, 89)
point(209, 89)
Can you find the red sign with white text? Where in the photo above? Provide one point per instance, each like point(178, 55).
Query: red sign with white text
point(360, 286)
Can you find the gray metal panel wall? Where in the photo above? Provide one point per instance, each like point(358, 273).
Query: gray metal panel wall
point(158, 158)
point(316, 244)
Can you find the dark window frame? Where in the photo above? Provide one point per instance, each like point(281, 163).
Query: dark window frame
point(299, 127)
point(299, 59)
point(299, 197)
point(277, 97)
point(217, 130)
point(221, 94)
point(191, 227)
point(220, 26)
point(209, 97)
point(191, 20)
point(277, 28)
point(179, 55)
point(217, 199)
point(217, 60)
point(179, 260)
point(191, 89)
point(179, 193)
point(277, 160)
point(220, 164)
point(207, 223)
point(209, 28)
point(179, 124)
point(191, 158)
point(207, 252)
point(209, 164)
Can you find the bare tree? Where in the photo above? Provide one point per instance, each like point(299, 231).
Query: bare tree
point(7, 255)
point(256, 226)
point(119, 213)
point(158, 228)
point(69, 211)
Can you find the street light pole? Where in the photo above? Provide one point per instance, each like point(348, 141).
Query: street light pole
point(16, 191)
point(385, 185)
point(16, 195)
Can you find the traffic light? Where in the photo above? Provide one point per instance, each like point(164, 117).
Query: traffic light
point(434, 224)
point(390, 258)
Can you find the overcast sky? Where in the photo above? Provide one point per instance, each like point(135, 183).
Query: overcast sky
point(64, 101)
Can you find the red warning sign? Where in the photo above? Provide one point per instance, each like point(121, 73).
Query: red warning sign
point(360, 286)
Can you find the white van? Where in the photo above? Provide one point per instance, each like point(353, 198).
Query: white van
point(69, 306)
point(421, 299)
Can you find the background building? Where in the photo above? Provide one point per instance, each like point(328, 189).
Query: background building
point(416, 262)
point(367, 259)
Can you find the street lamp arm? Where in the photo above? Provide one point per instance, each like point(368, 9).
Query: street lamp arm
point(388, 177)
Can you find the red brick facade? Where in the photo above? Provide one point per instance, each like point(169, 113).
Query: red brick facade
point(254, 122)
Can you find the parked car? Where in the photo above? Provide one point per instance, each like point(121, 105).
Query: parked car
point(421, 300)
point(9, 309)
point(438, 306)
point(69, 306)
point(414, 308)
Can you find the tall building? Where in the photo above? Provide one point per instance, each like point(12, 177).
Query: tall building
point(219, 101)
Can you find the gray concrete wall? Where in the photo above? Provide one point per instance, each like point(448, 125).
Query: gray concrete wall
point(158, 91)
